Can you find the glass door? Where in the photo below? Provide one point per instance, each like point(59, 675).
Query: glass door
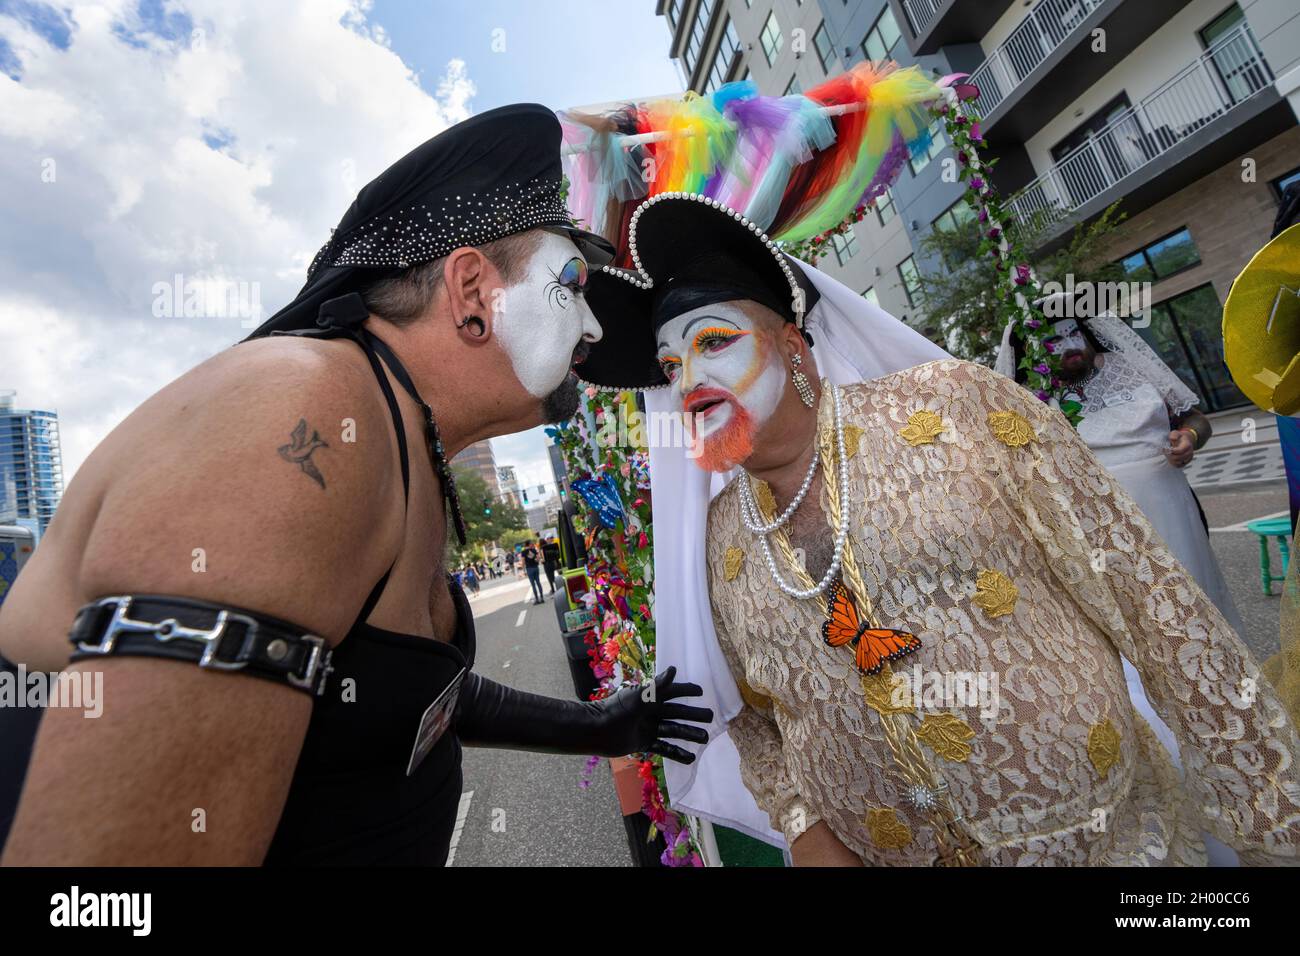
point(1186, 332)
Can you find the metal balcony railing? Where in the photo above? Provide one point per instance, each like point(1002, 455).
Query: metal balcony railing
point(1046, 27)
point(1226, 75)
point(920, 13)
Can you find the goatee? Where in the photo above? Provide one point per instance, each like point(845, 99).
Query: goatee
point(732, 444)
point(561, 404)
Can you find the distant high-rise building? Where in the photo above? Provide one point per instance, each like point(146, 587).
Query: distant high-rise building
point(31, 465)
point(479, 459)
point(509, 483)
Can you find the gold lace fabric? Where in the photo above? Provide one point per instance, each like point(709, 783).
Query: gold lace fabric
point(1283, 669)
point(992, 532)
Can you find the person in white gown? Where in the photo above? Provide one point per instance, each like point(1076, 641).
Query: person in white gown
point(1140, 420)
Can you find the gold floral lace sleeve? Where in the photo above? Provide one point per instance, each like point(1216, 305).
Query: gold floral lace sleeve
point(1238, 746)
point(754, 731)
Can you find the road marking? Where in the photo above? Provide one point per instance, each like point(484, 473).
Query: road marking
point(506, 664)
point(1241, 525)
point(462, 814)
point(519, 621)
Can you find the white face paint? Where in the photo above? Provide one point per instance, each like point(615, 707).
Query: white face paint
point(542, 317)
point(719, 359)
point(1067, 337)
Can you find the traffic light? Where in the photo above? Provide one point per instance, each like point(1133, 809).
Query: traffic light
point(487, 507)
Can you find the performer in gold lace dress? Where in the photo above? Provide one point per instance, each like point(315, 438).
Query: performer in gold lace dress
point(947, 531)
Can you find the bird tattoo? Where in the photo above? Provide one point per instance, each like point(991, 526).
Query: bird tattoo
point(300, 449)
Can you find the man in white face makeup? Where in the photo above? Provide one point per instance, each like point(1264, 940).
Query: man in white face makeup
point(258, 551)
point(887, 541)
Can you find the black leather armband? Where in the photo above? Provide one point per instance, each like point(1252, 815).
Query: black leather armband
point(210, 635)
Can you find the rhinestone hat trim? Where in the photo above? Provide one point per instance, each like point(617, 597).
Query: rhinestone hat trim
point(427, 231)
point(643, 280)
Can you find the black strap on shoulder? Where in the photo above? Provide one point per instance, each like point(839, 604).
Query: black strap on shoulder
point(214, 636)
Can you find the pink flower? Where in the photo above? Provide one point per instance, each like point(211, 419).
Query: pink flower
point(1022, 274)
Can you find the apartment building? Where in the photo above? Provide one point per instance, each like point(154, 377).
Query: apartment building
point(1183, 111)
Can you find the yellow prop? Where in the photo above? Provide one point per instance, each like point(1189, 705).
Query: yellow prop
point(1261, 326)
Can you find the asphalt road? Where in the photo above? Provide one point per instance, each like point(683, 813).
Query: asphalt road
point(525, 809)
point(1238, 554)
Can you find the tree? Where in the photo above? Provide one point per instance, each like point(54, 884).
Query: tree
point(487, 519)
point(961, 300)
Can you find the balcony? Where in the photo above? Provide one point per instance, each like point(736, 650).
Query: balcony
point(938, 23)
point(1048, 61)
point(1183, 123)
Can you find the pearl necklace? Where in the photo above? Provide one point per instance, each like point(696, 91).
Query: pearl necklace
point(752, 516)
point(758, 527)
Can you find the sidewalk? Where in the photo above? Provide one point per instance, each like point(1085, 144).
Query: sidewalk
point(1243, 448)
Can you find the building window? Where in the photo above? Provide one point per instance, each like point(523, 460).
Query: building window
point(674, 8)
point(1186, 332)
point(951, 221)
point(727, 48)
point(698, 29)
point(911, 280)
point(1282, 182)
point(885, 210)
point(938, 142)
point(793, 87)
point(771, 38)
point(846, 245)
point(825, 52)
point(870, 296)
point(882, 37)
point(1161, 259)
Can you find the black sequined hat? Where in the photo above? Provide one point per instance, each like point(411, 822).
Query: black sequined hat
point(493, 175)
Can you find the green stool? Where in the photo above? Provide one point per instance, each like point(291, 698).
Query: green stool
point(1266, 528)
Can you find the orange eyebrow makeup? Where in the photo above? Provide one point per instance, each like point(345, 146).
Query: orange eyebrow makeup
point(716, 332)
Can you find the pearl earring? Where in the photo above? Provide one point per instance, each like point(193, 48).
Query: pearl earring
point(801, 383)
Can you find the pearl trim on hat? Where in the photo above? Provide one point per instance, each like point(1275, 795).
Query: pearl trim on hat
point(643, 280)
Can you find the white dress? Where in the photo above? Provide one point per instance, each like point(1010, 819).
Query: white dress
point(1126, 424)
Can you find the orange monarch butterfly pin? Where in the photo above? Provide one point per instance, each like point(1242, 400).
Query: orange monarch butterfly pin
point(872, 645)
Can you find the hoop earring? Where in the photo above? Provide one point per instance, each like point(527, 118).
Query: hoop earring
point(801, 383)
point(477, 322)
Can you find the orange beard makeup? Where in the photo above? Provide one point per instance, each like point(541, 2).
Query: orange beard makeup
point(723, 365)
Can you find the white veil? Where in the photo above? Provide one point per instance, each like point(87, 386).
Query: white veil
point(1114, 334)
point(855, 341)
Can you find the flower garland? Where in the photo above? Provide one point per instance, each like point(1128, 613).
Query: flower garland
point(999, 240)
point(620, 571)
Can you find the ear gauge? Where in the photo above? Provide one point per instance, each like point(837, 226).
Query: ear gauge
point(476, 326)
point(801, 383)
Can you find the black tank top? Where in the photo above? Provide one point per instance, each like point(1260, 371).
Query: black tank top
point(350, 802)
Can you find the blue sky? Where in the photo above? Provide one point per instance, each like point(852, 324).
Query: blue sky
point(559, 52)
point(221, 139)
point(562, 53)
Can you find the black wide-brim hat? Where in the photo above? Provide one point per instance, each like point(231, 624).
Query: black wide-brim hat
point(678, 241)
point(490, 176)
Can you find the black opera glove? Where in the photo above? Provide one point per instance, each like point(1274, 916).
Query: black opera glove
point(489, 714)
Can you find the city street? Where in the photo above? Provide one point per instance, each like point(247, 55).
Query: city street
point(525, 809)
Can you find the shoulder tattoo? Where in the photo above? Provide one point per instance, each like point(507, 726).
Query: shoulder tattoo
point(301, 448)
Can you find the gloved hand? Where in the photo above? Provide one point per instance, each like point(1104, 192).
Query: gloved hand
point(633, 720)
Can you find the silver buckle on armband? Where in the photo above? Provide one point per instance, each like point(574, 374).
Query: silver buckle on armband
point(171, 629)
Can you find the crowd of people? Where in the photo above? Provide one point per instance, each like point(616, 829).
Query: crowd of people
point(531, 559)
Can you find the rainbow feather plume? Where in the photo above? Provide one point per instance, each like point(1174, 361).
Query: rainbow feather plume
point(797, 165)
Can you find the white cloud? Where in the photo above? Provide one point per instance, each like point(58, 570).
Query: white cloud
point(221, 141)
